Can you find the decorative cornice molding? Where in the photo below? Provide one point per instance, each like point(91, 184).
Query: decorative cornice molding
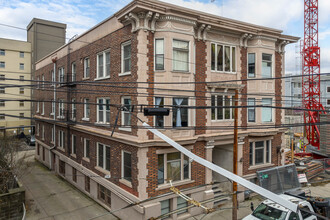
point(178, 19)
point(281, 46)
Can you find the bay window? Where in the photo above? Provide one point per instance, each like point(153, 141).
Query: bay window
point(223, 58)
point(266, 66)
point(219, 111)
point(180, 112)
point(251, 65)
point(266, 112)
point(180, 55)
point(251, 110)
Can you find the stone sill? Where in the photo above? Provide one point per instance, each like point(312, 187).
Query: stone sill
point(126, 182)
point(177, 183)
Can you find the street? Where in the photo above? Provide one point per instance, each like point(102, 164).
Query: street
point(50, 197)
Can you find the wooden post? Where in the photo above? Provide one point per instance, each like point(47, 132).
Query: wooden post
point(234, 211)
point(292, 150)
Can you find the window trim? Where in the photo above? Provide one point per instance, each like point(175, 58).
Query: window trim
point(85, 118)
point(73, 109)
point(122, 73)
point(255, 65)
point(103, 168)
point(155, 40)
point(231, 46)
point(73, 71)
point(61, 137)
point(188, 113)
point(104, 65)
point(122, 166)
point(231, 110)
point(104, 111)
point(61, 75)
point(155, 117)
point(61, 108)
point(85, 68)
point(265, 163)
point(85, 150)
point(250, 108)
point(189, 56)
point(271, 109)
point(272, 63)
point(125, 127)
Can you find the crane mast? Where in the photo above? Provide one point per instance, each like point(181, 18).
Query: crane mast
point(311, 73)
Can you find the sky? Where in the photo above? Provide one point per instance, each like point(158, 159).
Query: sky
point(81, 15)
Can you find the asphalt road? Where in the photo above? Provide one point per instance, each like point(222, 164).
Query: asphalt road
point(50, 197)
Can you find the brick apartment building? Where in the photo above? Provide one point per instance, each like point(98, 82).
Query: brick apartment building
point(120, 63)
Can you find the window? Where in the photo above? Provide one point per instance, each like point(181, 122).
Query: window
point(103, 156)
point(252, 65)
point(21, 78)
point(87, 184)
point(61, 108)
point(126, 115)
point(74, 174)
point(2, 77)
point(103, 64)
point(21, 115)
point(74, 144)
point(2, 103)
point(305, 215)
point(159, 54)
point(2, 90)
point(103, 110)
point(62, 167)
point(293, 216)
point(251, 110)
point(173, 166)
point(104, 195)
point(74, 109)
point(328, 101)
point(21, 90)
point(328, 88)
point(126, 166)
point(266, 66)
point(180, 113)
point(61, 74)
point(260, 152)
point(61, 139)
point(2, 64)
point(86, 109)
point(86, 147)
point(21, 66)
point(42, 131)
point(126, 57)
point(165, 207)
point(219, 110)
point(21, 54)
point(159, 120)
point(266, 112)
point(223, 58)
point(2, 116)
point(180, 55)
point(86, 67)
point(43, 108)
point(182, 204)
point(38, 104)
point(53, 135)
point(53, 107)
point(73, 70)
point(2, 52)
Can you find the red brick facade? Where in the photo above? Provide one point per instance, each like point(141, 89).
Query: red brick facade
point(200, 87)
point(278, 90)
point(151, 78)
point(244, 90)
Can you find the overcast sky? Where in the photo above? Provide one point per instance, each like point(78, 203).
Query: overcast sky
point(80, 15)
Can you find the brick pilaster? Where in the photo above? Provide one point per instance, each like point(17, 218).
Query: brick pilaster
point(244, 82)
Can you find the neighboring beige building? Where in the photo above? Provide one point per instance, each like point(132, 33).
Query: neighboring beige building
point(15, 69)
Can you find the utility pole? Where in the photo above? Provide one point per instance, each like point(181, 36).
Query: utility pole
point(234, 210)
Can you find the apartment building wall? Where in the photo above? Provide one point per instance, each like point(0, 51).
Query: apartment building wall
point(15, 72)
point(150, 158)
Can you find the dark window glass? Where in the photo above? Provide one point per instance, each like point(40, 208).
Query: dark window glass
point(252, 64)
point(160, 168)
point(127, 166)
point(100, 155)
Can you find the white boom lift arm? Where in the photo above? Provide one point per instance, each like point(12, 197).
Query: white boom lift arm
point(261, 191)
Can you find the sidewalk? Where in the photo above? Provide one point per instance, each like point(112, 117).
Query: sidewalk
point(50, 197)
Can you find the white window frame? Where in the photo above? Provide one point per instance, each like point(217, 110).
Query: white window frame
point(43, 108)
point(255, 65)
point(53, 106)
point(186, 71)
point(265, 153)
point(263, 109)
point(43, 132)
point(61, 108)
point(73, 144)
point(155, 57)
point(86, 68)
point(272, 65)
point(125, 127)
point(73, 71)
point(251, 108)
point(124, 73)
point(85, 145)
point(104, 111)
point(231, 110)
point(2, 64)
point(61, 75)
point(53, 76)
point(38, 104)
point(182, 106)
point(86, 104)
point(21, 66)
point(61, 135)
point(73, 109)
point(155, 117)
point(2, 52)
point(223, 58)
point(104, 76)
point(181, 168)
point(122, 165)
point(21, 54)
point(104, 156)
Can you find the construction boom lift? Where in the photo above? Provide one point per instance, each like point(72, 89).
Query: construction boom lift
point(311, 73)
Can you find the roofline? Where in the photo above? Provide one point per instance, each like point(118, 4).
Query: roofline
point(45, 22)
point(22, 41)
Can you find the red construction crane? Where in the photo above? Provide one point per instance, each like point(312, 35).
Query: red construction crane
point(311, 73)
